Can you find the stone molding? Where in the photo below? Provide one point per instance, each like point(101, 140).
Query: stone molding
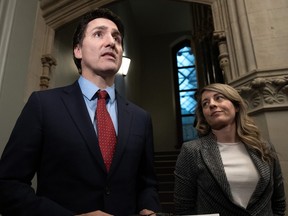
point(270, 93)
point(58, 13)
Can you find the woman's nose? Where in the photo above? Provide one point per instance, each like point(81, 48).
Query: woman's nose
point(212, 103)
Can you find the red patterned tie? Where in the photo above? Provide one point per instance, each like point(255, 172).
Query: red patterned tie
point(105, 129)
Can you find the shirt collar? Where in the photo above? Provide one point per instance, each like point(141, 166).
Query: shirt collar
point(89, 89)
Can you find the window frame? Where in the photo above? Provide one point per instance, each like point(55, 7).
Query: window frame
point(175, 49)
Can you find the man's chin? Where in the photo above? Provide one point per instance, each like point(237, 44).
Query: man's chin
point(108, 72)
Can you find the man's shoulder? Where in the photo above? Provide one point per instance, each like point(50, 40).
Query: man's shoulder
point(55, 94)
point(57, 90)
point(130, 105)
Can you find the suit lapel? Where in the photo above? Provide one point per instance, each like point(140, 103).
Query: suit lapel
point(75, 104)
point(212, 158)
point(124, 122)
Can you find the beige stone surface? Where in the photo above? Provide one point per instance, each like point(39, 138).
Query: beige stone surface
point(269, 31)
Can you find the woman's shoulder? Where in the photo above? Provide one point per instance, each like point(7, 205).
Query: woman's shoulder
point(199, 143)
point(192, 144)
point(191, 151)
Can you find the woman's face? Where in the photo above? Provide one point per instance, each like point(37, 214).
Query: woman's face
point(218, 111)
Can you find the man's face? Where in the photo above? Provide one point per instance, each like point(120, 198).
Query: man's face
point(101, 49)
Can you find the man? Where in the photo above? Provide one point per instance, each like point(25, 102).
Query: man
point(56, 137)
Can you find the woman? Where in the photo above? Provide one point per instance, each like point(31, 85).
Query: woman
point(229, 170)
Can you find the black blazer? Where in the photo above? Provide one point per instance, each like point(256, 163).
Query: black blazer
point(201, 186)
point(55, 138)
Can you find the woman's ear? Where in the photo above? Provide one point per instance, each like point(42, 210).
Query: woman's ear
point(236, 108)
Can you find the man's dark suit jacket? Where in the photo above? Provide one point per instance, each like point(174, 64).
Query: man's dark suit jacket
point(55, 138)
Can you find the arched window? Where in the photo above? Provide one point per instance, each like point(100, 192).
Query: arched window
point(186, 86)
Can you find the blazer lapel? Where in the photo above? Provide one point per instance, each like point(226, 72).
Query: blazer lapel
point(75, 104)
point(264, 173)
point(212, 159)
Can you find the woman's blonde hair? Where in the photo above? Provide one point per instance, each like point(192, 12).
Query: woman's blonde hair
point(246, 129)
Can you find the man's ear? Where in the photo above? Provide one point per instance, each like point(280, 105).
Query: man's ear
point(78, 52)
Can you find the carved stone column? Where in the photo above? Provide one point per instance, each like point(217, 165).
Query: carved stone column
point(223, 57)
point(48, 61)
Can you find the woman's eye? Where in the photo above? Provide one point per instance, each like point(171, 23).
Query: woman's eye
point(205, 104)
point(219, 97)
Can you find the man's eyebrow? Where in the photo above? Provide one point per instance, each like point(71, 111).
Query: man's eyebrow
point(115, 31)
point(100, 27)
point(103, 27)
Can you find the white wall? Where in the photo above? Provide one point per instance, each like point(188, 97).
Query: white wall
point(15, 68)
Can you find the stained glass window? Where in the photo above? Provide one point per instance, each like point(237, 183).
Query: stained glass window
point(187, 87)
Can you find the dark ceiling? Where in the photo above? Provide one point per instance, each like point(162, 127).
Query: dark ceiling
point(161, 16)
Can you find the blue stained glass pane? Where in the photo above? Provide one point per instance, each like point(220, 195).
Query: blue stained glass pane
point(189, 132)
point(185, 57)
point(187, 102)
point(187, 78)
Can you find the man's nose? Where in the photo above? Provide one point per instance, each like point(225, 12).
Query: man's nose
point(110, 41)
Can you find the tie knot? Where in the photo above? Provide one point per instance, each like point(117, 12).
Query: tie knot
point(102, 94)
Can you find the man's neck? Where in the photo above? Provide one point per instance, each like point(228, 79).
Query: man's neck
point(101, 82)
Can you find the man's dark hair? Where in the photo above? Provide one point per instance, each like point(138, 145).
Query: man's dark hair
point(89, 16)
